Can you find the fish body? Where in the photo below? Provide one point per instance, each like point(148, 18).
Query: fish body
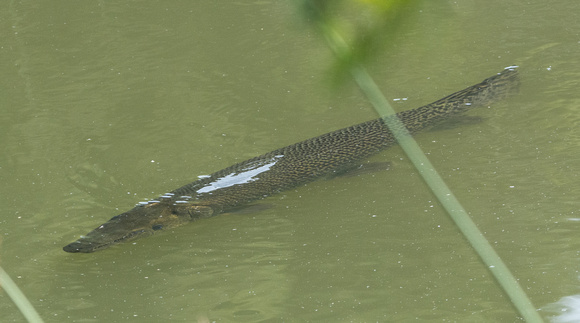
point(284, 168)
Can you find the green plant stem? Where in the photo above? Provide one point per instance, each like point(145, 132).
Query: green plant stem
point(467, 227)
point(18, 298)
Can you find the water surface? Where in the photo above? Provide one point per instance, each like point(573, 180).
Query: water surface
point(105, 105)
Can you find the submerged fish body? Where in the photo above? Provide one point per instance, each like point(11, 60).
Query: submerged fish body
point(284, 168)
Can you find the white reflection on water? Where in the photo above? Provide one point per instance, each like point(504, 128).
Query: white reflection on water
point(567, 308)
point(245, 176)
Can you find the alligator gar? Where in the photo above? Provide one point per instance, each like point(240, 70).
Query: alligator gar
point(284, 168)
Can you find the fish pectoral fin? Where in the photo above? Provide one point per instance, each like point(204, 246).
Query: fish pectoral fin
point(250, 209)
point(456, 121)
point(362, 169)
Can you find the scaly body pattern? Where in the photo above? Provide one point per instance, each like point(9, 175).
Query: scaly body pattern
point(284, 168)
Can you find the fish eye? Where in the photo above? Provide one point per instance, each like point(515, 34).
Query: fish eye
point(157, 227)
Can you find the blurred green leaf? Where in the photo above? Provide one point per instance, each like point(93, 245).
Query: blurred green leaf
point(369, 26)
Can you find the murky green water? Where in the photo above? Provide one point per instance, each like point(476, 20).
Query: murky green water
point(104, 105)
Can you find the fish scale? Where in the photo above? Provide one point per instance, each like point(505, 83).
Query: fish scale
point(285, 168)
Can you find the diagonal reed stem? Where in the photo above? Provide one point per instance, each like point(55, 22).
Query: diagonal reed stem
point(18, 298)
point(467, 227)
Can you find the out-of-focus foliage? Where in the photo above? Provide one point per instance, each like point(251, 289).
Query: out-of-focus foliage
point(369, 26)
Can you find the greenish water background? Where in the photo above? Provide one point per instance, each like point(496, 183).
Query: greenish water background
point(106, 104)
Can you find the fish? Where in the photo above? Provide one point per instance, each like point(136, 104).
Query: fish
point(284, 168)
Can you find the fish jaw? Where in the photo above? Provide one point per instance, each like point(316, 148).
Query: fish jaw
point(141, 221)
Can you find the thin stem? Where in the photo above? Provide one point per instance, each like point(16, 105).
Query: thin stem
point(470, 231)
point(18, 298)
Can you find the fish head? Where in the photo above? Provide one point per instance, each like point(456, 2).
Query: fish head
point(141, 221)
